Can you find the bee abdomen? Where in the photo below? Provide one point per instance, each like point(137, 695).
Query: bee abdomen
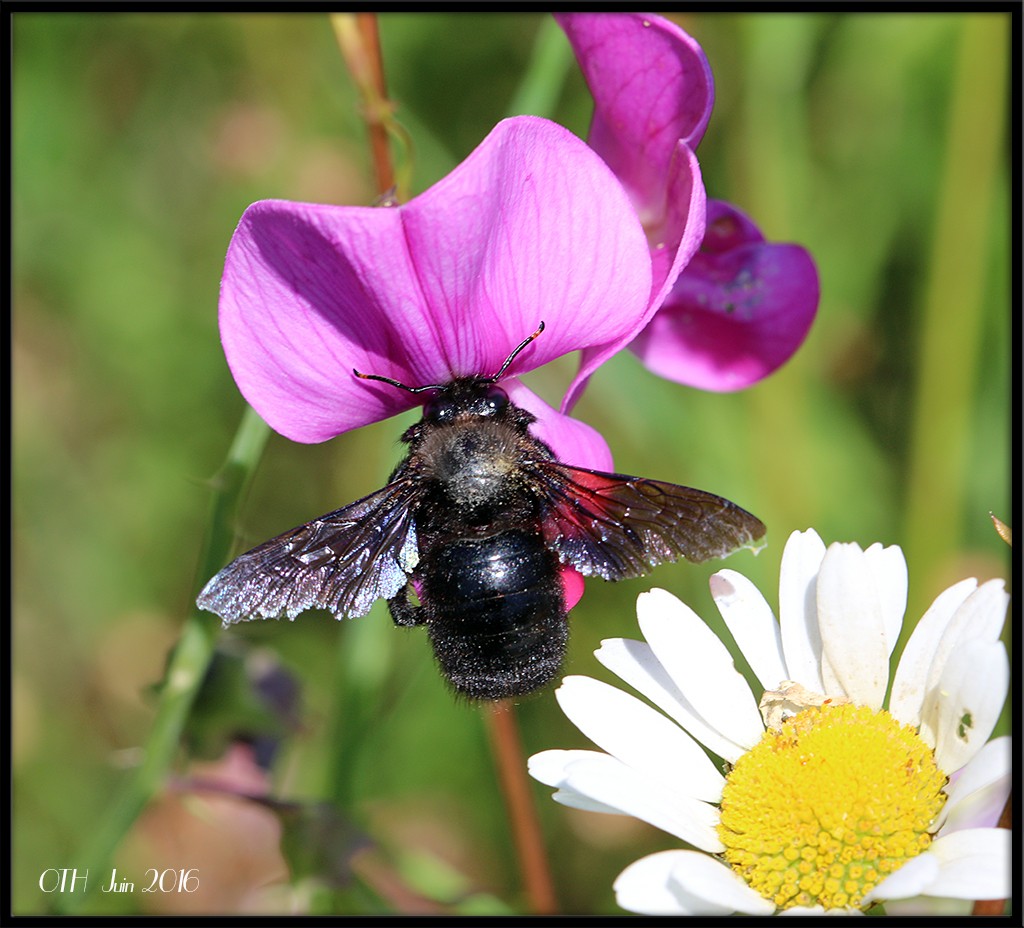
point(497, 618)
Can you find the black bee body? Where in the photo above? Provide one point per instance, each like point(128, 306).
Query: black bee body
point(479, 520)
point(490, 593)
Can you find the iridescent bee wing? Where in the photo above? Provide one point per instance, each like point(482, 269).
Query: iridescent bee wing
point(615, 526)
point(342, 562)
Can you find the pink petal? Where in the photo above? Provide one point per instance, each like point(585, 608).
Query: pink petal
point(297, 315)
point(728, 227)
point(673, 242)
point(572, 441)
point(737, 312)
point(572, 585)
point(652, 87)
point(537, 231)
point(678, 237)
point(530, 227)
point(653, 94)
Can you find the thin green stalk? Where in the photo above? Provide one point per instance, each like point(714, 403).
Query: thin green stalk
point(185, 670)
point(545, 72)
point(771, 174)
point(953, 314)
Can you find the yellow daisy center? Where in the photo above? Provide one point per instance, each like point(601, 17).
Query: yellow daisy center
point(824, 808)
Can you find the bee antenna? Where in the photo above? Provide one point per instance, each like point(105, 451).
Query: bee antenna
point(395, 383)
point(437, 386)
point(504, 367)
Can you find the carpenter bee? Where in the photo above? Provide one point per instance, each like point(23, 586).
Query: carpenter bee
point(479, 520)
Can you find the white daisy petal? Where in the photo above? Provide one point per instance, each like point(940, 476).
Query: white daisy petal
point(552, 768)
point(700, 664)
point(966, 703)
point(645, 887)
point(910, 880)
point(752, 623)
point(973, 864)
point(829, 680)
point(888, 567)
point(910, 682)
point(611, 783)
point(852, 620)
point(635, 663)
point(584, 803)
point(798, 611)
point(928, 905)
point(983, 612)
point(979, 809)
point(993, 761)
point(640, 737)
point(979, 618)
point(704, 878)
point(978, 794)
point(549, 766)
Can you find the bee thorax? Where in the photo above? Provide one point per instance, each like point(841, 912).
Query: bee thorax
point(472, 467)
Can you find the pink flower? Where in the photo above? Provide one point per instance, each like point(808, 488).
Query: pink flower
point(531, 227)
point(733, 311)
point(738, 311)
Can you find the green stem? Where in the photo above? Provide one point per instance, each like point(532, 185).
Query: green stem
point(953, 316)
point(545, 73)
point(771, 171)
point(185, 670)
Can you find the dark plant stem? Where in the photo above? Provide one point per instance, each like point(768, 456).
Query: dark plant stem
point(367, 25)
point(359, 42)
point(526, 833)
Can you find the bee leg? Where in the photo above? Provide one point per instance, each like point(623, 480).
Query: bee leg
point(403, 612)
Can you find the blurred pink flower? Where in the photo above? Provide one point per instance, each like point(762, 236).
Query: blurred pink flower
point(732, 307)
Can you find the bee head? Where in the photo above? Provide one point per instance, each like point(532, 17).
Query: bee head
point(465, 397)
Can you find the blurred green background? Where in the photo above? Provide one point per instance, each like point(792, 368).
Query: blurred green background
point(877, 141)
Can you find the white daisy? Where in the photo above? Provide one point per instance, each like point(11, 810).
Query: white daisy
point(830, 803)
